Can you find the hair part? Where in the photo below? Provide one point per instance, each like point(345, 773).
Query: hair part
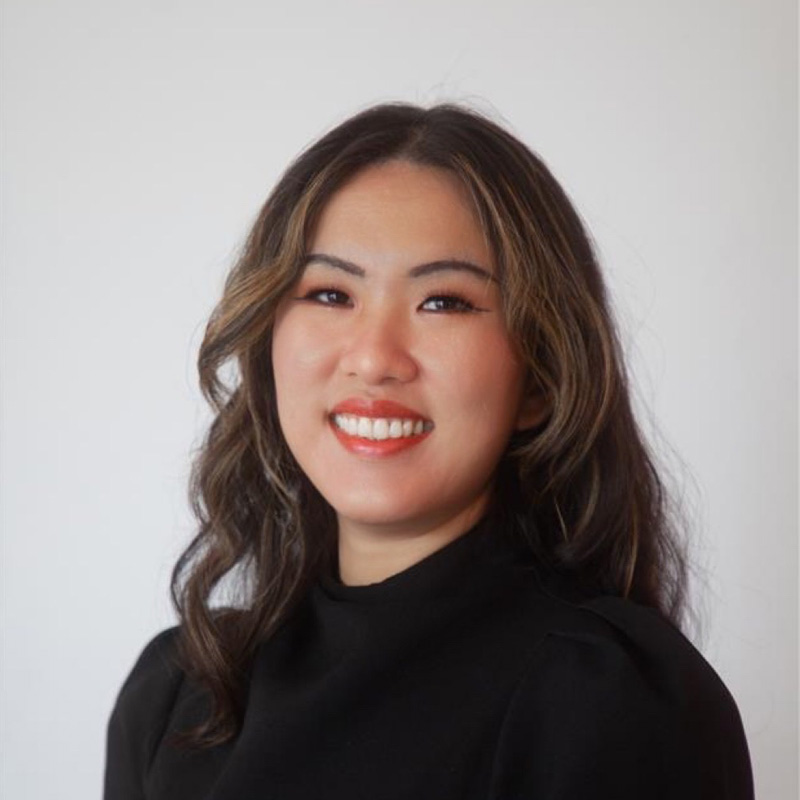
point(582, 489)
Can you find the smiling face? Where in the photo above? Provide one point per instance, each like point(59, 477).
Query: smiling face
point(397, 386)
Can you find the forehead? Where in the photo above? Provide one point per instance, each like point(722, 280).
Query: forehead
point(400, 211)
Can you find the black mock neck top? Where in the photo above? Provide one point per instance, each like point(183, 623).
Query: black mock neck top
point(468, 675)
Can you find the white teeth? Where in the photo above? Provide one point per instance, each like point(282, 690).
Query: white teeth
point(365, 428)
point(380, 428)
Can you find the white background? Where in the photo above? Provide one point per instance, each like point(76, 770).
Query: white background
point(139, 140)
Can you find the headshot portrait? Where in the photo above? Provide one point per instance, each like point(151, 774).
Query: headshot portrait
point(399, 402)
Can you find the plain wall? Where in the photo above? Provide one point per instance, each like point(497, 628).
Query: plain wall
point(139, 140)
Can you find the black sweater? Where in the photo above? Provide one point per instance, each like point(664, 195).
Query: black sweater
point(468, 675)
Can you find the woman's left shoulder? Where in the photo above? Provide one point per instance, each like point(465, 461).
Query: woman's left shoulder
point(659, 650)
point(617, 702)
point(635, 638)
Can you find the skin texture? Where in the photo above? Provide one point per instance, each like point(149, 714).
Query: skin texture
point(392, 335)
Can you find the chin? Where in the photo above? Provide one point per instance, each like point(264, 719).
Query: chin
point(403, 515)
point(378, 514)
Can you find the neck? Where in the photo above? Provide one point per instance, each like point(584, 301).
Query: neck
point(370, 554)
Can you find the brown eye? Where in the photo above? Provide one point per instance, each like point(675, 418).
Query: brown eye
point(327, 297)
point(447, 303)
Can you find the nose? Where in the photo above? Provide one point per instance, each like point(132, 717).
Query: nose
point(377, 350)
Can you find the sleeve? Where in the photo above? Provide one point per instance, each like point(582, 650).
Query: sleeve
point(140, 717)
point(624, 709)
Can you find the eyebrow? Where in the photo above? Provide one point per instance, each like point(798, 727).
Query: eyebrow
point(429, 268)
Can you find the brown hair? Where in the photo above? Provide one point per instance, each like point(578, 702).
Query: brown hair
point(582, 488)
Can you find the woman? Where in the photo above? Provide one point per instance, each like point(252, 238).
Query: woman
point(450, 566)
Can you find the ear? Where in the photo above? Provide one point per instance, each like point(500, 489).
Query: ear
point(533, 410)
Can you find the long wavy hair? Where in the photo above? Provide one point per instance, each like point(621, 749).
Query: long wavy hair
point(583, 488)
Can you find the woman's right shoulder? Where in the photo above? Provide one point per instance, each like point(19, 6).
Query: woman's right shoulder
point(162, 644)
point(141, 714)
point(156, 670)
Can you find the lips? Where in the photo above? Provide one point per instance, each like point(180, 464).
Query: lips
point(377, 428)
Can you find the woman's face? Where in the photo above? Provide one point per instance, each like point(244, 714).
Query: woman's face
point(397, 387)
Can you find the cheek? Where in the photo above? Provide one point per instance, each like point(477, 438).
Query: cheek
point(298, 357)
point(294, 365)
point(482, 374)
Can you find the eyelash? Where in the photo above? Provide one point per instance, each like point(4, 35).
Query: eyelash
point(312, 296)
point(455, 302)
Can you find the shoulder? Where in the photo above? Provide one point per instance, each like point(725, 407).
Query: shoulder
point(616, 702)
point(141, 715)
point(626, 635)
point(155, 676)
point(662, 656)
